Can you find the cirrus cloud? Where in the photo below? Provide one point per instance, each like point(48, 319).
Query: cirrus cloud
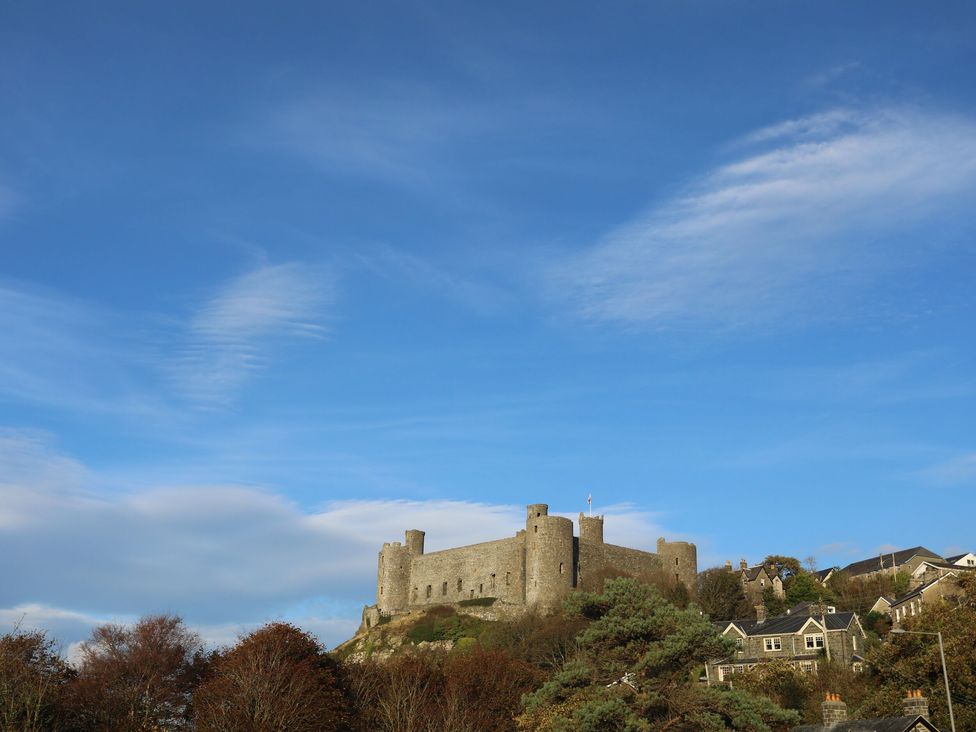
point(809, 212)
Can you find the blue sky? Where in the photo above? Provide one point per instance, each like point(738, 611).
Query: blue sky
point(277, 283)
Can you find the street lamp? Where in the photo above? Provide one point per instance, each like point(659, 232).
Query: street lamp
point(945, 672)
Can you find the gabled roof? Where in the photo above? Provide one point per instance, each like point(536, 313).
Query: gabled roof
point(823, 574)
point(920, 589)
point(889, 724)
point(884, 561)
point(751, 573)
point(955, 558)
point(938, 564)
point(786, 624)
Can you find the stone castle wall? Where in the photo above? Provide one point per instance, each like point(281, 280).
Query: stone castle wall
point(491, 569)
point(536, 569)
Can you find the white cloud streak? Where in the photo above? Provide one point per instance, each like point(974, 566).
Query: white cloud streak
point(231, 335)
point(788, 228)
point(959, 470)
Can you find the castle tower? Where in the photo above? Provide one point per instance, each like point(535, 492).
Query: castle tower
point(393, 577)
point(679, 559)
point(415, 541)
point(549, 567)
point(591, 529)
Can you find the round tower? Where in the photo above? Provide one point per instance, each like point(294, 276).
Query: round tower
point(548, 558)
point(591, 529)
point(415, 541)
point(393, 578)
point(679, 559)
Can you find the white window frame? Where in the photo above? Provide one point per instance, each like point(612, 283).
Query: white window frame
point(810, 641)
point(772, 644)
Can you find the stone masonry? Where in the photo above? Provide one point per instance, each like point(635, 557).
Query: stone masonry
point(531, 571)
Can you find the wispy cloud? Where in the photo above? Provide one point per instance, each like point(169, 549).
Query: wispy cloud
point(792, 227)
point(231, 335)
point(69, 353)
point(431, 279)
point(958, 470)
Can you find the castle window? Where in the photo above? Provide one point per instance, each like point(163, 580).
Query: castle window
point(560, 568)
point(472, 594)
point(675, 561)
point(428, 591)
point(481, 589)
point(538, 515)
point(535, 529)
point(381, 589)
point(508, 578)
point(492, 583)
point(459, 586)
point(444, 588)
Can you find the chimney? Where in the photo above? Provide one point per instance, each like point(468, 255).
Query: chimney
point(915, 705)
point(728, 565)
point(760, 613)
point(743, 564)
point(834, 710)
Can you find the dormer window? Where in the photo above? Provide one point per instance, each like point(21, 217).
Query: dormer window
point(813, 641)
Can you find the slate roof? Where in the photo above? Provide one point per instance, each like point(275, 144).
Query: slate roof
point(884, 561)
point(820, 574)
point(752, 572)
point(956, 557)
point(889, 724)
point(786, 624)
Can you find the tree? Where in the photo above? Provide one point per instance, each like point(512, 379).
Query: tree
point(276, 679)
point(32, 680)
point(721, 596)
point(803, 587)
point(138, 678)
point(639, 665)
point(783, 566)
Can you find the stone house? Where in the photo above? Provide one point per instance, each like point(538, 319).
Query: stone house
point(931, 569)
point(915, 718)
point(755, 581)
point(800, 638)
point(911, 602)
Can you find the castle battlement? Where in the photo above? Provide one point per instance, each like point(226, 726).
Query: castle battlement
point(535, 569)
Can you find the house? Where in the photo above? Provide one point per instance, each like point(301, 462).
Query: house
point(911, 603)
point(755, 581)
point(915, 718)
point(905, 560)
point(931, 569)
point(802, 639)
point(967, 560)
point(823, 575)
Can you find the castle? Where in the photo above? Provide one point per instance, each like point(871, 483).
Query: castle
point(531, 571)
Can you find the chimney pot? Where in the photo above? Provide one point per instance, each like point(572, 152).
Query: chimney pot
point(916, 705)
point(834, 710)
point(743, 564)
